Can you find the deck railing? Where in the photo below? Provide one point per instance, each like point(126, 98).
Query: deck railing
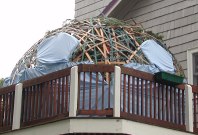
point(144, 100)
point(6, 107)
point(46, 98)
point(94, 82)
point(90, 90)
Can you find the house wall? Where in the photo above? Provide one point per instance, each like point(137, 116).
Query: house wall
point(89, 8)
point(176, 20)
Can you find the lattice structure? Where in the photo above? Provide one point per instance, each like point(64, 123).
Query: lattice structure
point(102, 40)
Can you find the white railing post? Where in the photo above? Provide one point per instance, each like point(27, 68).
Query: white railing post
point(188, 108)
point(116, 107)
point(73, 91)
point(17, 106)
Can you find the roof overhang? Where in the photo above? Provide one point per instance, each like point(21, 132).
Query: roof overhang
point(118, 8)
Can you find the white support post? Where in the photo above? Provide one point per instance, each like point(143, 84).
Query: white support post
point(188, 108)
point(17, 106)
point(73, 91)
point(116, 107)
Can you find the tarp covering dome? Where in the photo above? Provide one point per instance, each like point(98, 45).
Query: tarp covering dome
point(98, 40)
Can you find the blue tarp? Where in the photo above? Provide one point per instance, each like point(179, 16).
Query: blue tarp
point(158, 56)
point(53, 54)
point(142, 67)
point(56, 49)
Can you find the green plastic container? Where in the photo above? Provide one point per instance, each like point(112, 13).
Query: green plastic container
point(167, 78)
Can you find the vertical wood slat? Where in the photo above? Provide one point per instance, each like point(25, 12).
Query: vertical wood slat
point(146, 98)
point(103, 91)
point(124, 94)
point(90, 89)
point(51, 98)
point(62, 94)
point(83, 102)
point(58, 103)
point(162, 102)
point(109, 90)
point(159, 114)
point(175, 106)
point(183, 108)
point(167, 104)
point(142, 97)
point(137, 96)
point(179, 107)
point(195, 108)
point(129, 94)
point(155, 100)
point(6, 109)
point(133, 95)
point(151, 106)
point(67, 94)
point(171, 105)
point(1, 110)
point(96, 91)
point(79, 93)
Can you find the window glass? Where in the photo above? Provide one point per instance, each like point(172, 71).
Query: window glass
point(195, 69)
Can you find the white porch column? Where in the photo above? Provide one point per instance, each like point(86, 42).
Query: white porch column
point(73, 91)
point(188, 108)
point(17, 106)
point(116, 107)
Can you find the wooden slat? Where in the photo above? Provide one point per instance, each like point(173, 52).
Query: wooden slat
point(175, 106)
point(159, 114)
point(103, 91)
point(137, 73)
point(179, 107)
point(83, 101)
point(109, 89)
point(124, 94)
point(129, 94)
point(137, 91)
point(146, 98)
point(95, 68)
point(151, 106)
point(163, 109)
point(171, 104)
point(133, 95)
point(167, 103)
point(183, 108)
point(155, 100)
point(96, 91)
point(142, 97)
point(48, 77)
point(90, 89)
point(67, 94)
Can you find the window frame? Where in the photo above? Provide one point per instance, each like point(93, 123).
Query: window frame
point(190, 53)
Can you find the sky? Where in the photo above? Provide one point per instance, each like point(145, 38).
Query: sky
point(24, 22)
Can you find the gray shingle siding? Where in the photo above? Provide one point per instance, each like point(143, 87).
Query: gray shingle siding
point(89, 8)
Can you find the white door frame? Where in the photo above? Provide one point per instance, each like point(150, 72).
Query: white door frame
point(190, 53)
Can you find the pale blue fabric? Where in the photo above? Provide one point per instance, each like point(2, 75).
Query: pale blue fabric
point(56, 49)
point(158, 56)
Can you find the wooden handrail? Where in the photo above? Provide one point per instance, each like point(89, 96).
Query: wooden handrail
point(48, 77)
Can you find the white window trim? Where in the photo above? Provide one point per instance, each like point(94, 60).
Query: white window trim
point(190, 53)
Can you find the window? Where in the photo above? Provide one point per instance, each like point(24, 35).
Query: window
point(195, 68)
point(192, 65)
